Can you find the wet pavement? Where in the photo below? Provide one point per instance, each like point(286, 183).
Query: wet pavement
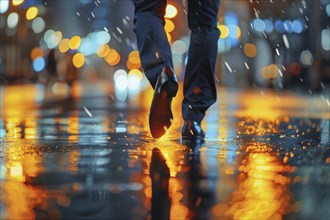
point(266, 156)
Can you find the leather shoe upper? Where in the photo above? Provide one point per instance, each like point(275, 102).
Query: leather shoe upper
point(161, 117)
point(192, 130)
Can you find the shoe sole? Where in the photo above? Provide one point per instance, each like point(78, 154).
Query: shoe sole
point(161, 116)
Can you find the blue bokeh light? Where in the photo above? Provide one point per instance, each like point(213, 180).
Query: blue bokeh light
point(298, 26)
point(269, 25)
point(259, 25)
point(279, 26)
point(39, 64)
point(288, 26)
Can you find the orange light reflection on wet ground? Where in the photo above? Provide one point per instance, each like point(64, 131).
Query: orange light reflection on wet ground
point(262, 188)
point(246, 178)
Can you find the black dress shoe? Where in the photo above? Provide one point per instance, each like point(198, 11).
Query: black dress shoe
point(161, 117)
point(192, 130)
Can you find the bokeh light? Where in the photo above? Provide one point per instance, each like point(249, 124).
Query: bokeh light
point(269, 72)
point(103, 50)
point(48, 34)
point(179, 47)
point(171, 11)
point(113, 58)
point(75, 42)
point(4, 5)
point(295, 69)
point(169, 37)
point(63, 46)
point(269, 27)
point(12, 20)
point(224, 31)
point(31, 13)
point(78, 60)
point(231, 18)
point(121, 80)
point(169, 25)
point(259, 25)
point(39, 64)
point(279, 26)
point(288, 27)
point(54, 39)
point(17, 2)
point(38, 25)
point(234, 31)
point(103, 37)
point(36, 52)
point(60, 88)
point(133, 61)
point(297, 26)
point(88, 46)
point(134, 80)
point(327, 9)
point(306, 58)
point(250, 50)
point(325, 36)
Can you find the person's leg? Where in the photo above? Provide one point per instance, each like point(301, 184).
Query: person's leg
point(156, 59)
point(199, 86)
point(155, 51)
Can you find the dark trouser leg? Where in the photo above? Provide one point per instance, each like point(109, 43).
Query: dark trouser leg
point(155, 51)
point(199, 86)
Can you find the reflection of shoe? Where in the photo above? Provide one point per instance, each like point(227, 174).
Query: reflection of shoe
point(193, 145)
point(192, 130)
point(160, 175)
point(159, 170)
point(160, 118)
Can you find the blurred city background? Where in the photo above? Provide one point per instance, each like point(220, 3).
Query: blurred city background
point(74, 134)
point(58, 45)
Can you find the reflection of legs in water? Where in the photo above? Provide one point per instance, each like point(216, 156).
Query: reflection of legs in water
point(51, 69)
point(160, 174)
point(201, 197)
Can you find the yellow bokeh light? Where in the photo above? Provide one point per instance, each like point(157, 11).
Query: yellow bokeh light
point(269, 72)
point(133, 61)
point(56, 37)
point(136, 72)
point(132, 66)
point(103, 50)
point(134, 53)
point(75, 42)
point(31, 13)
point(78, 60)
point(238, 32)
point(224, 31)
point(171, 11)
point(113, 57)
point(17, 2)
point(250, 50)
point(64, 45)
point(169, 25)
point(169, 37)
point(36, 52)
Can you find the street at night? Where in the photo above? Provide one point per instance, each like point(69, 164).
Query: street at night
point(93, 158)
point(165, 109)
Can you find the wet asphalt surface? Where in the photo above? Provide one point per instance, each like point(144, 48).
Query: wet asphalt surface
point(266, 156)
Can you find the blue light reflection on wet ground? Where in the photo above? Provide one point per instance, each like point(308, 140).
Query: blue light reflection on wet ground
point(266, 156)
